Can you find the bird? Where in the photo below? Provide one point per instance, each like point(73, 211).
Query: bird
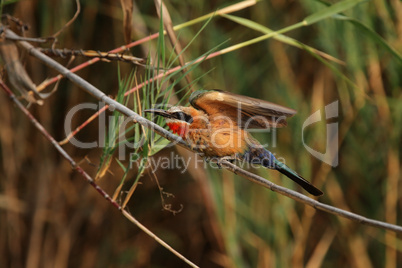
point(217, 123)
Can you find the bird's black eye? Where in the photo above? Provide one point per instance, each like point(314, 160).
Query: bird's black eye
point(183, 117)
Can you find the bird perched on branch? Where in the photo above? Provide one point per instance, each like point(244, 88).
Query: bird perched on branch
point(216, 125)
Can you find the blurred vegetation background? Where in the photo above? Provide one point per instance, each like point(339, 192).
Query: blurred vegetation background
point(50, 217)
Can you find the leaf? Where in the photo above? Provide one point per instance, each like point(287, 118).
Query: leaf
point(104, 166)
point(331, 10)
point(168, 24)
point(16, 73)
point(282, 38)
point(127, 6)
point(159, 145)
point(229, 9)
point(315, 17)
point(372, 34)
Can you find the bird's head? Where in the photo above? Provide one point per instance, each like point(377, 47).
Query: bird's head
point(178, 118)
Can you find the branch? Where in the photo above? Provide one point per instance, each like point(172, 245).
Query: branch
point(166, 134)
point(88, 178)
point(307, 200)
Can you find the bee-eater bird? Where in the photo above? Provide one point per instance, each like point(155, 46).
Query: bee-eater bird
point(216, 125)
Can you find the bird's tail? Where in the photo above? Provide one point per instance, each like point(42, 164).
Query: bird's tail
point(268, 160)
point(285, 170)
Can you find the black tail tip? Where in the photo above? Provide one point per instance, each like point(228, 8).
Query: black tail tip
point(300, 180)
point(313, 190)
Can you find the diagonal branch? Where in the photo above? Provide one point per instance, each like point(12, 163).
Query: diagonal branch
point(309, 201)
point(166, 134)
point(88, 178)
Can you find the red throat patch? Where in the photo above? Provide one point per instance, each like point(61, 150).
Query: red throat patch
point(178, 128)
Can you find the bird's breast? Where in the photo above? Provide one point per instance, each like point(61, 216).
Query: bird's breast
point(218, 142)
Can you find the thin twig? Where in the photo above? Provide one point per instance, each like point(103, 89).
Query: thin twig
point(229, 9)
point(309, 201)
point(105, 56)
point(94, 60)
point(160, 241)
point(166, 134)
point(88, 178)
point(30, 39)
point(77, 12)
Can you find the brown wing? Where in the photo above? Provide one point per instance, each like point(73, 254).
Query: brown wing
point(249, 112)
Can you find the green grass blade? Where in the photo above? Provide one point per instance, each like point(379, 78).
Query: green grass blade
point(279, 37)
point(192, 39)
point(372, 34)
point(315, 17)
point(331, 10)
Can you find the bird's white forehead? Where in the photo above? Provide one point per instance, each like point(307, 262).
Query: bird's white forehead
point(170, 120)
point(175, 109)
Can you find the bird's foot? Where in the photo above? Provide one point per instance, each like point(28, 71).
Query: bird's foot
point(207, 159)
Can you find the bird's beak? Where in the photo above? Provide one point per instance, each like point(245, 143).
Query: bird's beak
point(158, 112)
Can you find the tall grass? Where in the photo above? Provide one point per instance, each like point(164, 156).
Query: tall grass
point(49, 218)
